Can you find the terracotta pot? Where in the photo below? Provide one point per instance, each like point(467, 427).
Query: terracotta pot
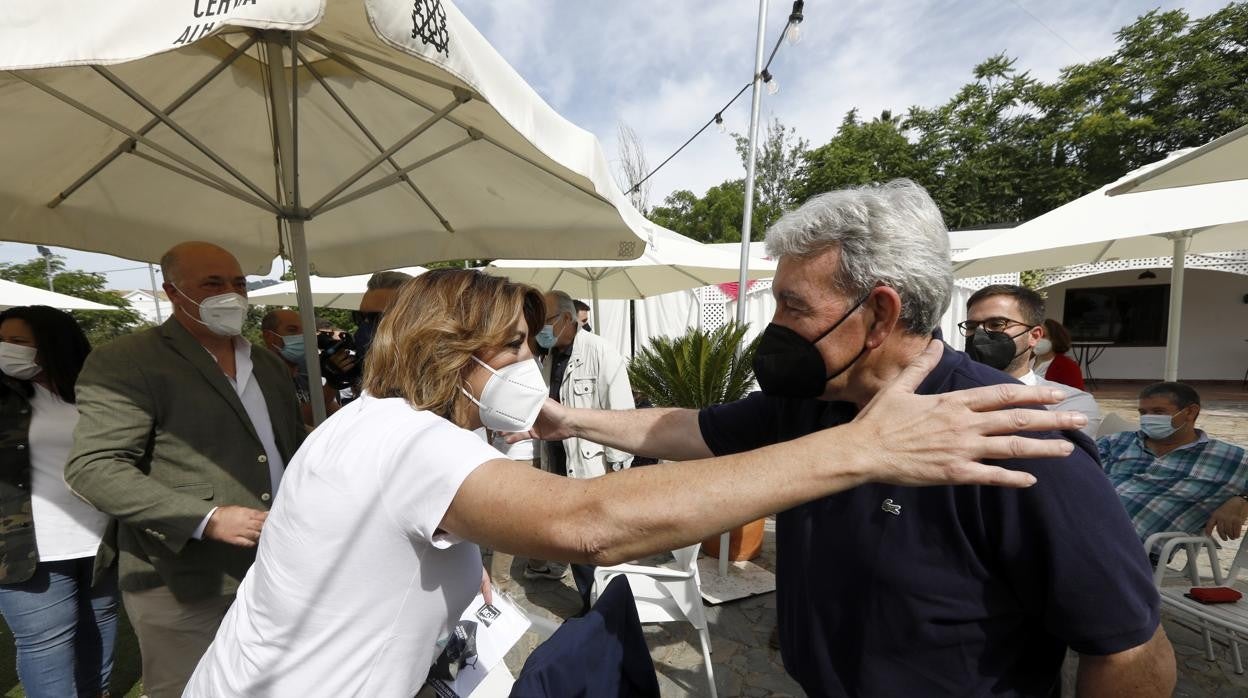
point(744, 542)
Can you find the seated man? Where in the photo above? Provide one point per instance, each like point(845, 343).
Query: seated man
point(1170, 475)
point(1004, 322)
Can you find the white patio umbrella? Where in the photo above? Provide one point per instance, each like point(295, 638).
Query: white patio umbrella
point(1097, 227)
point(352, 135)
point(13, 294)
point(671, 262)
point(1221, 160)
point(342, 292)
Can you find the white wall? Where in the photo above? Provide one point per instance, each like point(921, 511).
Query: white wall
point(1215, 325)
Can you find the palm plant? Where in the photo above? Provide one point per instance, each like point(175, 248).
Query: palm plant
point(695, 370)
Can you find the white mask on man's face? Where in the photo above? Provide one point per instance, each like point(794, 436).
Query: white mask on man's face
point(512, 397)
point(222, 314)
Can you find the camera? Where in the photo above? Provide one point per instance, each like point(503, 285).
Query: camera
point(331, 352)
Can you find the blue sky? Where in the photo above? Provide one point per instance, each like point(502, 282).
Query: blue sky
point(664, 66)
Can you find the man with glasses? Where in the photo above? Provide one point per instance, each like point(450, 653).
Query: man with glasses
point(1003, 324)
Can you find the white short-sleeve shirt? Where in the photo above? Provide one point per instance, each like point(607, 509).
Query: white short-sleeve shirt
point(353, 583)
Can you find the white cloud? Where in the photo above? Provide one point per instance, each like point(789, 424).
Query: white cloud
point(664, 66)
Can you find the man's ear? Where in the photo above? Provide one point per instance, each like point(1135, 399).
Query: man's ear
point(883, 308)
point(1037, 333)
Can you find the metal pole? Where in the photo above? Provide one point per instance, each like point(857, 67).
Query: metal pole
point(282, 98)
point(160, 315)
point(1176, 305)
point(47, 271)
point(593, 287)
point(756, 98)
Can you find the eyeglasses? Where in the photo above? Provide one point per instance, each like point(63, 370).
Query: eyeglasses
point(992, 324)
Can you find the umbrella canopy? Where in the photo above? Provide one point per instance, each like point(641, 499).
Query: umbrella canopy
point(342, 292)
point(13, 294)
point(1221, 160)
point(1097, 227)
point(671, 262)
point(407, 150)
point(349, 134)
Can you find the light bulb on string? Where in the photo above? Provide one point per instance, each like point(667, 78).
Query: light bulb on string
point(719, 123)
point(793, 34)
point(773, 86)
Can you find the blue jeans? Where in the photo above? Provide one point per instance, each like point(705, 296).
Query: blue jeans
point(64, 629)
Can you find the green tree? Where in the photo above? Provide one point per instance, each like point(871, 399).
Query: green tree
point(859, 153)
point(775, 170)
point(100, 326)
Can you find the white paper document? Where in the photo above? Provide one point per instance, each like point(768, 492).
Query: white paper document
point(500, 626)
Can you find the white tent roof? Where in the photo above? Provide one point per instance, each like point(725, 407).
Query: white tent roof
point(1220, 160)
point(416, 140)
point(1098, 228)
point(342, 292)
point(671, 262)
point(14, 294)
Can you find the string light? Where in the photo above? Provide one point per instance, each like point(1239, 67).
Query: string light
point(792, 33)
point(773, 85)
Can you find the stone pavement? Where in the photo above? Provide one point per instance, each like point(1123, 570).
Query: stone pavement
point(745, 665)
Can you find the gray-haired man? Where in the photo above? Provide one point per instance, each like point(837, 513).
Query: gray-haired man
point(898, 591)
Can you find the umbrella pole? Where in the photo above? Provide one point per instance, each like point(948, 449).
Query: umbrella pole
point(1176, 305)
point(285, 113)
point(756, 98)
point(593, 287)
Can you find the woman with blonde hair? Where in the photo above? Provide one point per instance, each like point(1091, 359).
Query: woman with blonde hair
point(370, 554)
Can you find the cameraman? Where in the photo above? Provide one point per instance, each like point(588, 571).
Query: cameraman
point(343, 362)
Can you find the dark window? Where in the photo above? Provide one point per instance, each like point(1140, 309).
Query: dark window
point(1125, 315)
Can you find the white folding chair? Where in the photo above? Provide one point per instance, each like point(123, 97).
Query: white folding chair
point(1112, 423)
point(665, 595)
point(1230, 620)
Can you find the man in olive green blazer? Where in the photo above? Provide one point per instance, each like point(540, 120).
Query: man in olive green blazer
point(183, 435)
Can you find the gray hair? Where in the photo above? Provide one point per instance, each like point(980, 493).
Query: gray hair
point(387, 279)
point(564, 303)
point(890, 234)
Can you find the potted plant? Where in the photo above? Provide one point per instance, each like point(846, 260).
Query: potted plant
point(696, 370)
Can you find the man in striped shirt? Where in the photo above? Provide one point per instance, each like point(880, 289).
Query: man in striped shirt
point(1170, 476)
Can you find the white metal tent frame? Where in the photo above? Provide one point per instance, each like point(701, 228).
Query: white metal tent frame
point(273, 46)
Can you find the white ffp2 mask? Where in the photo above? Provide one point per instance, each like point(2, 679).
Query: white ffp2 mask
point(513, 396)
point(222, 314)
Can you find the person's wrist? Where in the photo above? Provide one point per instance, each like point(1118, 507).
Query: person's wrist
point(856, 462)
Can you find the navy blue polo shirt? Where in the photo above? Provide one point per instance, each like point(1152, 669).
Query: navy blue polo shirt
point(947, 591)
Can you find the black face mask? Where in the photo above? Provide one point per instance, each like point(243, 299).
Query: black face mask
point(995, 349)
point(787, 365)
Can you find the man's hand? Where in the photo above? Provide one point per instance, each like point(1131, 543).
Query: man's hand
point(343, 362)
point(236, 525)
point(939, 439)
point(1228, 519)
